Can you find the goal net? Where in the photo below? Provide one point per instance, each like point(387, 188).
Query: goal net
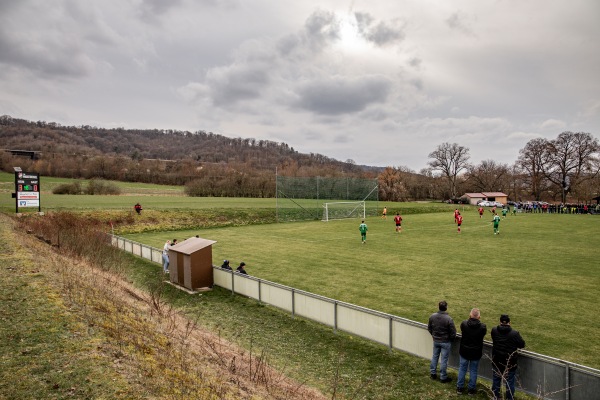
point(304, 198)
point(344, 209)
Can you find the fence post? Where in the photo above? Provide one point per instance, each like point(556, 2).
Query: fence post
point(259, 291)
point(391, 334)
point(335, 312)
point(293, 303)
point(567, 384)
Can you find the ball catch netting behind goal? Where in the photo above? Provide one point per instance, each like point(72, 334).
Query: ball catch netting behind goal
point(304, 198)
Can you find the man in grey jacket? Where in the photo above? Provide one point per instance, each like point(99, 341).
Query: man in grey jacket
point(442, 330)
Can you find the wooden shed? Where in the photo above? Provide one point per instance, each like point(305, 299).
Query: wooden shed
point(191, 263)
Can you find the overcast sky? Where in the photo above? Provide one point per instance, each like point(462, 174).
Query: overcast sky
point(378, 82)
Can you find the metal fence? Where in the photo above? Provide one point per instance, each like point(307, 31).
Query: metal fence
point(540, 375)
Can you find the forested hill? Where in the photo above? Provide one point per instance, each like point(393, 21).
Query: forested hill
point(52, 140)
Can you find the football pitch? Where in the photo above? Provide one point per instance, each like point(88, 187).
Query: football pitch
point(542, 269)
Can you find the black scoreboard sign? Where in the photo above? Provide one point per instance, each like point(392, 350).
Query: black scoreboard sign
point(27, 188)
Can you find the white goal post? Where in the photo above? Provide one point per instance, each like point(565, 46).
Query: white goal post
point(344, 209)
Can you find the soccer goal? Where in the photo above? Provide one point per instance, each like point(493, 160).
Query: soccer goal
point(344, 209)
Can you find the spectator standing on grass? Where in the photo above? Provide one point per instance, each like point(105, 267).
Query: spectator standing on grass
point(241, 268)
point(138, 208)
point(442, 330)
point(398, 221)
point(384, 214)
point(165, 256)
point(470, 351)
point(363, 231)
point(506, 342)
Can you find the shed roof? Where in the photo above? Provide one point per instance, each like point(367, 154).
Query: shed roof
point(474, 195)
point(486, 194)
point(192, 245)
point(494, 194)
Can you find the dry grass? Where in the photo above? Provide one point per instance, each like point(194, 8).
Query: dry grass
point(158, 351)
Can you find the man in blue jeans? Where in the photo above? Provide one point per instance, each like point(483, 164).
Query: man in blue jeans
point(506, 342)
point(442, 330)
point(471, 350)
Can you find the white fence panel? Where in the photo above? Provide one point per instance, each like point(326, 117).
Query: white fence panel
point(411, 339)
point(128, 246)
point(276, 296)
point(222, 278)
point(246, 286)
point(136, 249)
point(156, 256)
point(361, 323)
point(147, 253)
point(314, 308)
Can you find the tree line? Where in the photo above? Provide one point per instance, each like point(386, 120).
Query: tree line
point(555, 170)
point(209, 164)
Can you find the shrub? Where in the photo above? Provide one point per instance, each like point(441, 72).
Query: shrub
point(68, 188)
point(98, 186)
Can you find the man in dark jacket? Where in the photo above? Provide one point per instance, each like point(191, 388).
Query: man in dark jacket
point(471, 350)
point(504, 357)
point(442, 330)
point(226, 265)
point(241, 268)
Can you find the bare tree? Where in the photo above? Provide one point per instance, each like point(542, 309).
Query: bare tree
point(532, 160)
point(488, 176)
point(395, 183)
point(516, 182)
point(450, 160)
point(571, 160)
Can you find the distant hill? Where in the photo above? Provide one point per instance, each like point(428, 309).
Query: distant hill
point(51, 138)
point(208, 164)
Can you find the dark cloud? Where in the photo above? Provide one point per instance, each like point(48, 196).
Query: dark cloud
point(233, 84)
point(322, 27)
point(288, 44)
point(338, 95)
point(48, 48)
point(382, 33)
point(48, 56)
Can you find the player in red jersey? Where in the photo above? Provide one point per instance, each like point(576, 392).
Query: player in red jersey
point(480, 212)
point(398, 221)
point(456, 214)
point(459, 221)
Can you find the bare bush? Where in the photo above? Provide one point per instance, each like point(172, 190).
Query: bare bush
point(99, 186)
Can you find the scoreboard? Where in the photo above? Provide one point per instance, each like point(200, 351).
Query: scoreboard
point(27, 188)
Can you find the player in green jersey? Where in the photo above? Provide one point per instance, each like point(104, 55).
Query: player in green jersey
point(496, 222)
point(363, 231)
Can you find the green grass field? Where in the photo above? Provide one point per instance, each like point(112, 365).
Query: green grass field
point(541, 269)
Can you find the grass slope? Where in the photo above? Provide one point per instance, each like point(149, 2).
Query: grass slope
point(46, 352)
